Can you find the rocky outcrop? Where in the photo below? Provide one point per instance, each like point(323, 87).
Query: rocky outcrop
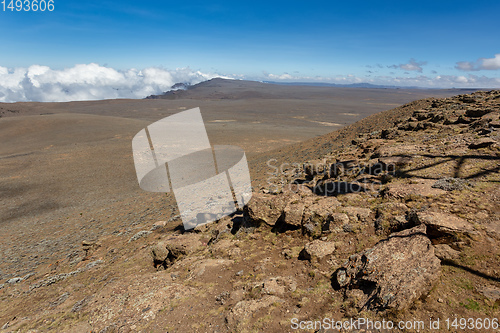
point(266, 208)
point(444, 227)
point(172, 248)
point(393, 273)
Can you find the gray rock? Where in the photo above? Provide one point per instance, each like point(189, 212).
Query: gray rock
point(78, 306)
point(14, 280)
point(492, 293)
point(140, 234)
point(222, 297)
point(451, 184)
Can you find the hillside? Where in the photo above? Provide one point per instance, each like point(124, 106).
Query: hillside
point(394, 217)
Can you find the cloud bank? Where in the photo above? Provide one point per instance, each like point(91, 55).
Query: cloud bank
point(423, 81)
point(90, 82)
point(94, 82)
point(412, 65)
point(480, 64)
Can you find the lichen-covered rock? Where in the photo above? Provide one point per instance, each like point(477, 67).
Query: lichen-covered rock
point(317, 250)
point(266, 208)
point(393, 273)
point(356, 214)
point(318, 214)
point(159, 253)
point(240, 315)
point(172, 248)
point(445, 252)
point(293, 213)
point(443, 225)
point(279, 285)
point(336, 223)
point(452, 184)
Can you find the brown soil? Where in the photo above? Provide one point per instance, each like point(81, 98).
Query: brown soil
point(68, 177)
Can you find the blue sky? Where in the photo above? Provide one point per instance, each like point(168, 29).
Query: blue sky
point(434, 43)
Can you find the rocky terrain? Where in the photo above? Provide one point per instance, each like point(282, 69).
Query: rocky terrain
point(393, 218)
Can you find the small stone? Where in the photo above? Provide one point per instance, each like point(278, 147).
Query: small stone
point(14, 280)
point(158, 225)
point(222, 297)
point(140, 234)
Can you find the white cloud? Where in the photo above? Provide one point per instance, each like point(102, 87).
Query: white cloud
point(491, 64)
point(480, 64)
point(93, 82)
point(89, 82)
point(285, 76)
point(412, 65)
point(438, 81)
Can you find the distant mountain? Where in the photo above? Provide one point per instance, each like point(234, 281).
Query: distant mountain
point(180, 85)
point(219, 89)
point(352, 85)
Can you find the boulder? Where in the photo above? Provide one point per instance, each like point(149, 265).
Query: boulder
point(445, 252)
point(266, 208)
point(170, 249)
point(293, 212)
point(357, 213)
point(159, 253)
point(317, 250)
point(239, 316)
point(443, 226)
point(318, 214)
point(393, 273)
point(483, 143)
point(336, 222)
point(476, 113)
